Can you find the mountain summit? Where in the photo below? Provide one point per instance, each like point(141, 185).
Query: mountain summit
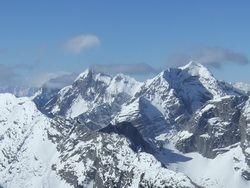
point(182, 128)
point(197, 69)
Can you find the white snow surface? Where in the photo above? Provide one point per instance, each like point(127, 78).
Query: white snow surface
point(205, 77)
point(122, 83)
point(26, 154)
point(97, 76)
point(196, 69)
point(222, 172)
point(78, 107)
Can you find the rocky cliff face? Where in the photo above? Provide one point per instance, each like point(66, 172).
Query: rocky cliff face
point(110, 158)
point(214, 127)
point(245, 136)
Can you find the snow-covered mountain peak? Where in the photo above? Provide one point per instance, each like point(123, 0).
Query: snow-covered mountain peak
point(191, 64)
point(190, 72)
point(190, 86)
point(123, 83)
point(198, 77)
point(90, 74)
point(93, 98)
point(197, 69)
point(121, 76)
point(84, 74)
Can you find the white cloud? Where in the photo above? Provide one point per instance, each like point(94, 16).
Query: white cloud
point(214, 56)
point(61, 81)
point(12, 76)
point(52, 80)
point(131, 69)
point(78, 44)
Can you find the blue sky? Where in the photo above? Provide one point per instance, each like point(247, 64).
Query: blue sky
point(46, 39)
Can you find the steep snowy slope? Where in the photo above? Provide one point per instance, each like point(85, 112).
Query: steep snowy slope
point(26, 154)
point(226, 170)
point(74, 100)
point(43, 96)
point(41, 152)
point(245, 134)
point(102, 159)
point(208, 114)
point(168, 101)
point(192, 85)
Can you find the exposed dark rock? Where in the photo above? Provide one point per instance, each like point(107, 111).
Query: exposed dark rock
point(128, 130)
point(246, 174)
point(214, 127)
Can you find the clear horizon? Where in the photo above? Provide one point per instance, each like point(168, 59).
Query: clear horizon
point(49, 40)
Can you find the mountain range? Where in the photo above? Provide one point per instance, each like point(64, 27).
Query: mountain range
point(182, 128)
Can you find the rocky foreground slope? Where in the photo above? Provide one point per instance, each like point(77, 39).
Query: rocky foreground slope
point(40, 152)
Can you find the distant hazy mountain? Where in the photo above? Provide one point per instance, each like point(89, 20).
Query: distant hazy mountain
point(19, 91)
point(242, 86)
